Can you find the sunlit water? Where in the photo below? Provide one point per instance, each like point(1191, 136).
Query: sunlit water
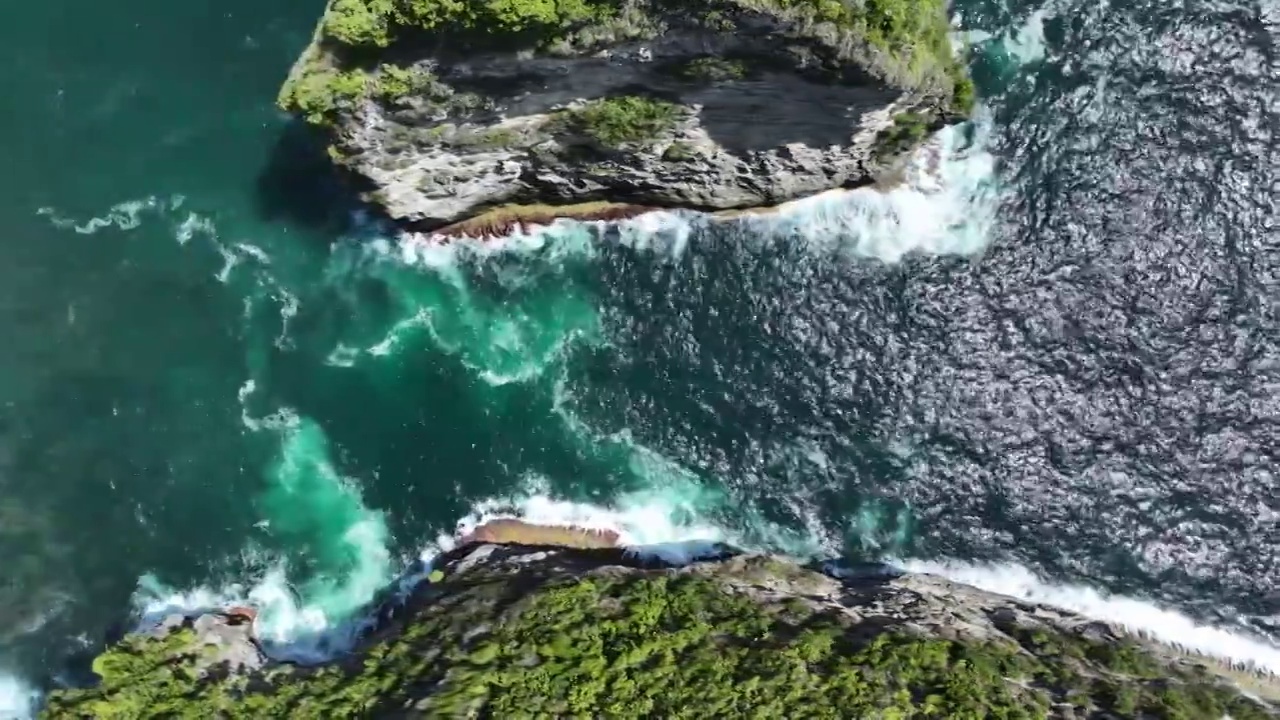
point(1046, 364)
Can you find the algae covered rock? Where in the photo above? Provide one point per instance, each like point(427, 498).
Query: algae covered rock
point(446, 109)
point(540, 631)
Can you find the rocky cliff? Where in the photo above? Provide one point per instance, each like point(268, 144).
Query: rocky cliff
point(447, 109)
point(509, 629)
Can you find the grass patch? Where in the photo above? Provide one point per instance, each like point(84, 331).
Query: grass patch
point(488, 139)
point(712, 69)
point(907, 131)
point(393, 82)
point(620, 120)
point(317, 95)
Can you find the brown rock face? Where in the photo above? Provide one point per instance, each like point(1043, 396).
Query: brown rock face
point(240, 614)
point(519, 532)
point(507, 220)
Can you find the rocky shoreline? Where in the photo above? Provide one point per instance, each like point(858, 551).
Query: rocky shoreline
point(506, 220)
point(565, 622)
point(460, 118)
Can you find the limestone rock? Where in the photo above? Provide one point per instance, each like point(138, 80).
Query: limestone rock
point(707, 104)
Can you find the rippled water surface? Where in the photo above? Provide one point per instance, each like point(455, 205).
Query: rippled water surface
point(1049, 364)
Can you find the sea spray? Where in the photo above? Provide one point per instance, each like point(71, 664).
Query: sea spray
point(17, 699)
point(1135, 614)
point(944, 203)
point(320, 517)
point(507, 309)
point(326, 554)
point(673, 523)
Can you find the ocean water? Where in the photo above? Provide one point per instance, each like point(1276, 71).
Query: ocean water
point(1047, 365)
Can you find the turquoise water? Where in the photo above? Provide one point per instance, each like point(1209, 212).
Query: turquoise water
point(224, 383)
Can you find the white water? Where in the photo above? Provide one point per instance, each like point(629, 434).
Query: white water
point(670, 524)
point(306, 501)
point(1135, 614)
point(17, 699)
point(670, 518)
point(124, 216)
point(945, 205)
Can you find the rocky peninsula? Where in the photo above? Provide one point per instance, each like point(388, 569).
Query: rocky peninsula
point(488, 112)
point(524, 621)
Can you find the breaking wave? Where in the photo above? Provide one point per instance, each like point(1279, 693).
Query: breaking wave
point(17, 699)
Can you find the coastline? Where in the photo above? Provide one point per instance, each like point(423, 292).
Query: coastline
point(505, 219)
point(521, 614)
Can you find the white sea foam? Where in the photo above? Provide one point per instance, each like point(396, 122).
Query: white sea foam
point(660, 521)
point(194, 224)
point(1023, 43)
point(672, 523)
point(945, 204)
point(653, 522)
point(305, 499)
point(1137, 615)
point(670, 520)
point(18, 700)
point(124, 216)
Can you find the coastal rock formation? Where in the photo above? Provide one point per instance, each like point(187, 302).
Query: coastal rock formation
point(507, 630)
point(449, 109)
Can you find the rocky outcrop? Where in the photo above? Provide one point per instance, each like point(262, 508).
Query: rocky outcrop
point(506, 630)
point(449, 110)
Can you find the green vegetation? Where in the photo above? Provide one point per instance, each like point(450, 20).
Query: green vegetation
point(712, 69)
point(319, 93)
point(654, 644)
point(908, 129)
point(964, 95)
point(898, 25)
point(360, 22)
point(618, 120)
point(489, 138)
point(917, 29)
point(909, 41)
point(679, 152)
point(394, 82)
point(374, 22)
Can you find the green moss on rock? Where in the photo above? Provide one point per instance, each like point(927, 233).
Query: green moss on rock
point(619, 120)
point(712, 69)
point(680, 152)
point(318, 94)
point(907, 131)
point(394, 82)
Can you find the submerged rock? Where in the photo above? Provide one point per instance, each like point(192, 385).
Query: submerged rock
point(451, 110)
point(511, 630)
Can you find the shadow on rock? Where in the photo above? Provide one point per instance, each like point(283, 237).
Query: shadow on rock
point(300, 184)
